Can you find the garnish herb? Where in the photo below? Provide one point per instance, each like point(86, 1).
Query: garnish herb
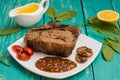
point(108, 53)
point(8, 31)
point(52, 13)
point(66, 15)
point(103, 27)
point(1, 61)
point(112, 43)
point(62, 16)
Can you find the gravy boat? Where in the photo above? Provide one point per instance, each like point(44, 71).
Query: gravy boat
point(29, 19)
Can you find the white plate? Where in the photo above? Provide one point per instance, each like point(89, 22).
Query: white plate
point(83, 40)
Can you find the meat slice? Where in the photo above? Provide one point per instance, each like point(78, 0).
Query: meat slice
point(53, 39)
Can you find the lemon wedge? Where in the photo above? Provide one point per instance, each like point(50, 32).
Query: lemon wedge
point(108, 16)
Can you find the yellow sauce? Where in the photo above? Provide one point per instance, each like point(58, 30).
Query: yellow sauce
point(28, 9)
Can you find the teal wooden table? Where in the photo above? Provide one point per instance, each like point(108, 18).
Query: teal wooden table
point(98, 70)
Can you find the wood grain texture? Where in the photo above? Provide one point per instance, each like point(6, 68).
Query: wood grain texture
point(102, 70)
point(98, 70)
point(15, 71)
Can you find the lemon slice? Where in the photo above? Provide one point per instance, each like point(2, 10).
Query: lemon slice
point(108, 16)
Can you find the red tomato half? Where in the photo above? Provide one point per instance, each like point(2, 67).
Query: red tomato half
point(23, 57)
point(17, 49)
point(28, 50)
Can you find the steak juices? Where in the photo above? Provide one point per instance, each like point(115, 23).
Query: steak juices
point(53, 39)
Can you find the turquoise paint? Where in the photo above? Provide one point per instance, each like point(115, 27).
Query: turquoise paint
point(98, 70)
point(15, 71)
point(102, 70)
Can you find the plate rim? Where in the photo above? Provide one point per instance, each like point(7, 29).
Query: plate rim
point(65, 76)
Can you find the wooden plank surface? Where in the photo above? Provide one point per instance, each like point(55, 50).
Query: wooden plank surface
point(98, 70)
point(102, 70)
point(15, 71)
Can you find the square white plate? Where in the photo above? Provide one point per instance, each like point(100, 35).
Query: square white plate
point(83, 40)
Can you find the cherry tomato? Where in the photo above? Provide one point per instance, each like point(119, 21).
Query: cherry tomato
point(17, 49)
point(23, 56)
point(28, 50)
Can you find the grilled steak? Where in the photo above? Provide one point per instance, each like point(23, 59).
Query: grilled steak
point(53, 39)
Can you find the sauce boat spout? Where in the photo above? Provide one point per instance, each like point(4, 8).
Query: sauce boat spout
point(12, 13)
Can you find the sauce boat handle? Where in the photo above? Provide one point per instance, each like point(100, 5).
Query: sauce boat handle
point(46, 5)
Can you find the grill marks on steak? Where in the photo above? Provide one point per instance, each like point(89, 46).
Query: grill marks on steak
point(57, 35)
point(53, 39)
point(49, 26)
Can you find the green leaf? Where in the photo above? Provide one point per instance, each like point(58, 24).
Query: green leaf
point(66, 15)
point(8, 31)
point(113, 38)
point(103, 27)
point(73, 13)
point(0, 54)
point(4, 63)
point(92, 19)
point(52, 12)
point(114, 45)
point(108, 53)
point(1, 61)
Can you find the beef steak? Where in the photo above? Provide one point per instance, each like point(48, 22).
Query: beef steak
point(53, 39)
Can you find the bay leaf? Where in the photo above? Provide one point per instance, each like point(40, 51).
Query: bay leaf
point(66, 15)
point(103, 27)
point(113, 38)
point(92, 19)
point(52, 12)
point(0, 54)
point(108, 53)
point(8, 31)
point(4, 63)
point(1, 61)
point(73, 13)
point(114, 45)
